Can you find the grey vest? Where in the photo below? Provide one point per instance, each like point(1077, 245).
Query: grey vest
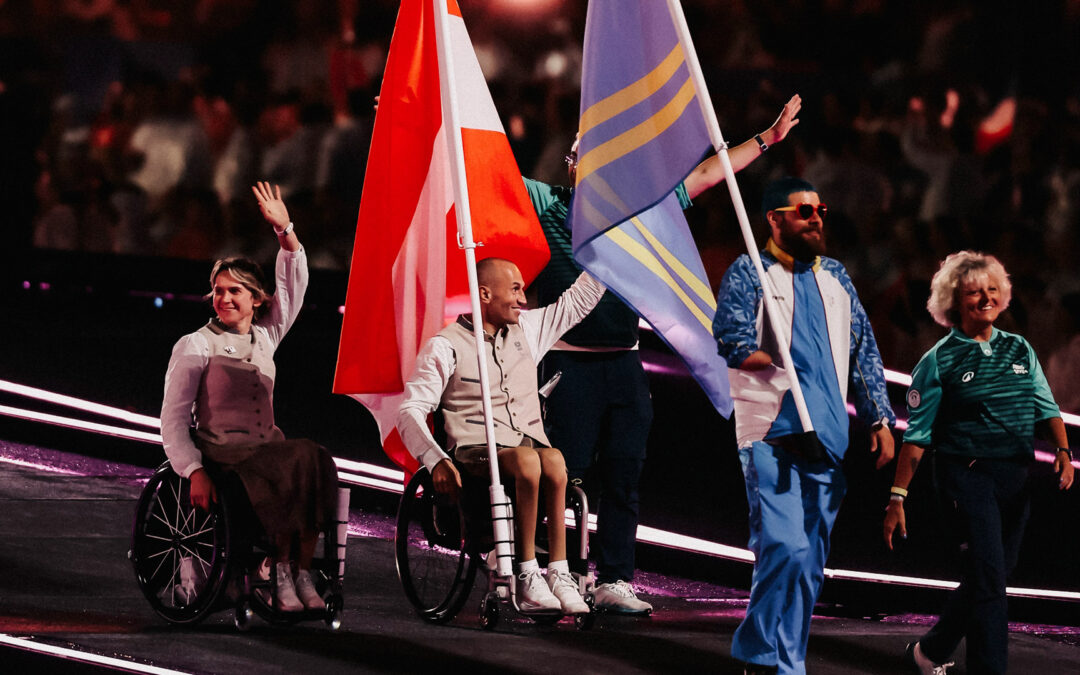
point(235, 405)
point(515, 405)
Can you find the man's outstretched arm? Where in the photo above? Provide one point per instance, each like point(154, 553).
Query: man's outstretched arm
point(710, 172)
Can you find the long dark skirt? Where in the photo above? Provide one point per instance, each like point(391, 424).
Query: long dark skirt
point(292, 485)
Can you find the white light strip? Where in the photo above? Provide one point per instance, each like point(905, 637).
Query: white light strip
point(371, 469)
point(83, 425)
point(693, 544)
point(896, 377)
point(851, 575)
point(29, 645)
point(645, 533)
point(364, 481)
point(79, 404)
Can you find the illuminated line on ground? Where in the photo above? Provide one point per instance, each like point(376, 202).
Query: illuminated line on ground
point(353, 475)
point(684, 542)
point(364, 481)
point(29, 645)
point(371, 469)
point(80, 404)
point(82, 425)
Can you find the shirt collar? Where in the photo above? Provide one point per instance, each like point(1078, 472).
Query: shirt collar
point(959, 334)
point(465, 321)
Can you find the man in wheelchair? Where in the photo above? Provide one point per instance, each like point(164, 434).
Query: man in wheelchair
point(447, 377)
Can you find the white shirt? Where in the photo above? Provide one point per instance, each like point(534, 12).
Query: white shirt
point(191, 354)
point(436, 363)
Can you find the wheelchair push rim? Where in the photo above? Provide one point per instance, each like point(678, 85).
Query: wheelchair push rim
point(180, 554)
point(434, 561)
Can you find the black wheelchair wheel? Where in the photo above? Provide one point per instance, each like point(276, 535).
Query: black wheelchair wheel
point(434, 560)
point(180, 554)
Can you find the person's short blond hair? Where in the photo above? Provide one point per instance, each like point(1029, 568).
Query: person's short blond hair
point(954, 271)
point(250, 276)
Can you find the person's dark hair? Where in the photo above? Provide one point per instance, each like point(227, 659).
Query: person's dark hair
point(249, 274)
point(777, 192)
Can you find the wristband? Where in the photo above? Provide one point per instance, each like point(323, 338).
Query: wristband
point(762, 145)
point(896, 498)
point(285, 232)
point(898, 491)
point(1068, 452)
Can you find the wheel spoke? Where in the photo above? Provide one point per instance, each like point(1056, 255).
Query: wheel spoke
point(161, 516)
point(194, 554)
point(170, 585)
point(165, 556)
point(196, 534)
point(176, 491)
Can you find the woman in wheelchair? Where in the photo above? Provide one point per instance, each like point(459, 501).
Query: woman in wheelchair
point(218, 406)
point(446, 376)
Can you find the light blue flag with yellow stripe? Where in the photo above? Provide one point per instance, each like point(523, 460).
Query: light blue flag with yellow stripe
point(641, 133)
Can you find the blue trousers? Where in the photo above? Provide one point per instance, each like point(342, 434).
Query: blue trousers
point(987, 503)
point(793, 506)
point(599, 417)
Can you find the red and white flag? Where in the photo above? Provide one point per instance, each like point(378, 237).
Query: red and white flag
point(408, 277)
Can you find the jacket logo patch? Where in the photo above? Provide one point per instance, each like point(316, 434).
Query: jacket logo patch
point(1020, 369)
point(914, 398)
point(229, 349)
point(968, 376)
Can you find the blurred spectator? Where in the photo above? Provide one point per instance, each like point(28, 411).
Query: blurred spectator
point(169, 147)
point(928, 124)
point(339, 179)
point(1063, 366)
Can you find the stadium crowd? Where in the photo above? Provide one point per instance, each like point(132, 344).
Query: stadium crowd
point(136, 126)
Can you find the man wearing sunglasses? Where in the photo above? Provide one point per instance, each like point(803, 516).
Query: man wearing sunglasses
point(601, 411)
point(794, 482)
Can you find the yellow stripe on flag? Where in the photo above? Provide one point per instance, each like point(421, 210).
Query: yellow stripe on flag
point(632, 94)
point(653, 264)
point(689, 278)
point(634, 138)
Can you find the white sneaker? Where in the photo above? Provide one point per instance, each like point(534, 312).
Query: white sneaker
point(305, 588)
point(923, 663)
point(619, 597)
point(533, 594)
point(564, 588)
point(286, 592)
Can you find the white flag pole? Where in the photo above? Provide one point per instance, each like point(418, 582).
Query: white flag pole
point(771, 310)
point(500, 507)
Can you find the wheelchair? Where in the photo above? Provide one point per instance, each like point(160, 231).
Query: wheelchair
point(440, 545)
point(191, 563)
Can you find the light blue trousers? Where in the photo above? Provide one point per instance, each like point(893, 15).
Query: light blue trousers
point(793, 506)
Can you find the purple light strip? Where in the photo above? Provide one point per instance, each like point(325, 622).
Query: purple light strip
point(392, 480)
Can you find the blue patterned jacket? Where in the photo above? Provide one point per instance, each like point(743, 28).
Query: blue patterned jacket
point(763, 405)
